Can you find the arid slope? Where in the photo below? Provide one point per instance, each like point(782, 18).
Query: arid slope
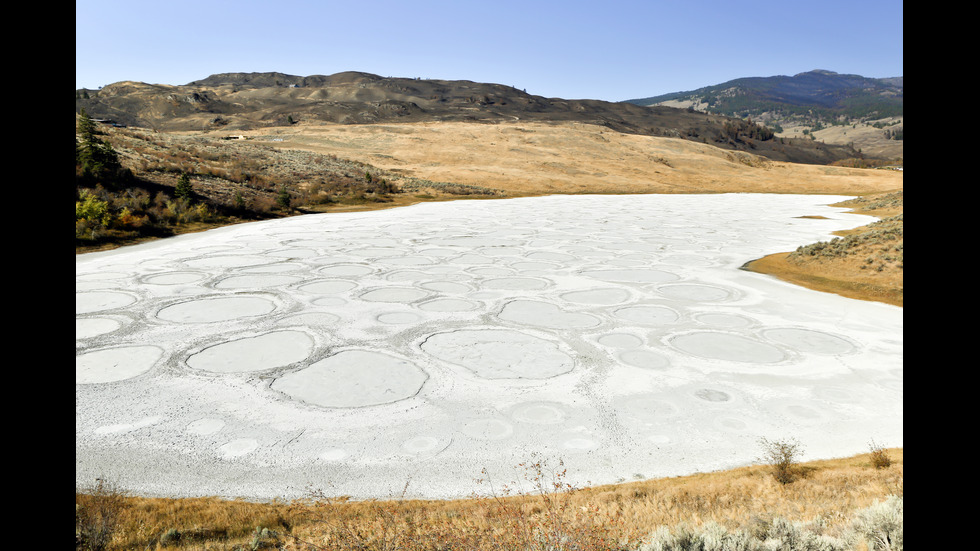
point(545, 158)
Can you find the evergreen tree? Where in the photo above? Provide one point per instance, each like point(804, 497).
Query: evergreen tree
point(86, 126)
point(95, 160)
point(184, 189)
point(283, 199)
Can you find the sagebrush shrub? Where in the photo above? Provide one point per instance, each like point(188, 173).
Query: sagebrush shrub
point(882, 525)
point(710, 537)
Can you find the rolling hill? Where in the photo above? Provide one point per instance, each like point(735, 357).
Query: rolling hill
point(231, 102)
point(865, 113)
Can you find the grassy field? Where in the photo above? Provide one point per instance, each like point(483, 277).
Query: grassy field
point(823, 501)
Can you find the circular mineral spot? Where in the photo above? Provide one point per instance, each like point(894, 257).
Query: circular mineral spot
point(92, 327)
point(353, 378)
point(376, 252)
point(694, 292)
point(544, 314)
point(490, 271)
point(471, 259)
point(327, 286)
point(445, 287)
point(345, 270)
point(547, 256)
point(620, 340)
point(294, 253)
point(101, 276)
point(115, 364)
point(238, 447)
point(726, 346)
point(647, 314)
point(277, 268)
point(632, 275)
point(399, 318)
point(440, 253)
point(230, 261)
point(254, 353)
point(579, 444)
point(534, 266)
point(810, 341)
point(254, 281)
point(488, 429)
point(602, 297)
point(515, 284)
point(97, 301)
point(646, 359)
point(424, 445)
point(538, 413)
point(449, 305)
point(805, 413)
point(723, 320)
point(502, 251)
point(175, 278)
point(395, 294)
point(730, 424)
point(407, 261)
point(500, 353)
point(208, 310)
point(837, 394)
point(408, 275)
point(712, 395)
point(205, 426)
point(335, 454)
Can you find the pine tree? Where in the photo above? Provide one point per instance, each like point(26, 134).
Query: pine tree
point(86, 126)
point(95, 160)
point(183, 190)
point(283, 199)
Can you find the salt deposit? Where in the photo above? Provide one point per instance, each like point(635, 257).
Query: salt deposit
point(356, 353)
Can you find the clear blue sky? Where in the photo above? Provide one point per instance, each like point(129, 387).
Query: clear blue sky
point(611, 49)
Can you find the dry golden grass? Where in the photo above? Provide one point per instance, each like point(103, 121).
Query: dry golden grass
point(603, 517)
point(540, 158)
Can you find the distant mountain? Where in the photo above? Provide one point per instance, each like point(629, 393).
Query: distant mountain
point(819, 94)
point(230, 101)
point(836, 109)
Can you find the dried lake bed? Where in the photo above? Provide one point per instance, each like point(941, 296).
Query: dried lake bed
point(402, 352)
